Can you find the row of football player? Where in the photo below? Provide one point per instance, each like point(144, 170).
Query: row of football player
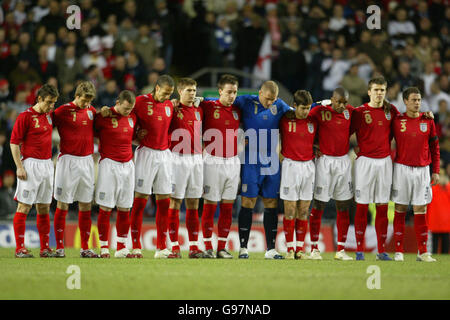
point(153, 112)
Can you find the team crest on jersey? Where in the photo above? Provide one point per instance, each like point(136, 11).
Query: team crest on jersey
point(388, 116)
point(235, 115)
point(273, 109)
point(131, 122)
point(310, 127)
point(168, 112)
point(424, 127)
point(197, 116)
point(346, 114)
point(49, 119)
point(90, 115)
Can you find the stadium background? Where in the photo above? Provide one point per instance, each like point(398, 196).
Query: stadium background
point(314, 45)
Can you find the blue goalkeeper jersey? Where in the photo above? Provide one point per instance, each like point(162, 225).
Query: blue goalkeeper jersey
point(265, 123)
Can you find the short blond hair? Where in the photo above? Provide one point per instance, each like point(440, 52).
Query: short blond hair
point(86, 89)
point(270, 86)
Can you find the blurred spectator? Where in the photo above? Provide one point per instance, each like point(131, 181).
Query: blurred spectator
point(355, 85)
point(46, 69)
point(23, 73)
point(53, 20)
point(159, 65)
point(40, 10)
point(95, 75)
point(7, 203)
point(437, 95)
point(120, 71)
point(136, 69)
point(293, 70)
point(50, 41)
point(145, 46)
point(422, 50)
point(108, 96)
point(437, 215)
point(405, 78)
point(400, 27)
point(428, 78)
point(151, 82)
point(224, 42)
point(334, 69)
point(69, 67)
point(337, 21)
point(165, 24)
point(416, 66)
point(388, 70)
point(6, 94)
point(249, 37)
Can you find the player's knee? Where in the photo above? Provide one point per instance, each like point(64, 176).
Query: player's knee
point(342, 205)
point(192, 203)
point(400, 207)
point(270, 203)
point(420, 209)
point(248, 202)
point(319, 205)
point(23, 208)
point(84, 206)
point(289, 210)
point(175, 203)
point(302, 214)
point(106, 209)
point(141, 195)
point(42, 208)
point(62, 206)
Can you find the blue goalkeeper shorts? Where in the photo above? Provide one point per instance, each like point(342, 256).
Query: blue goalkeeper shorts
point(255, 182)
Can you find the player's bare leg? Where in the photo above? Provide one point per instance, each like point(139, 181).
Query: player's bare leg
point(301, 226)
point(381, 226)
point(43, 226)
point(342, 224)
point(271, 227)
point(223, 227)
point(290, 211)
point(245, 224)
point(137, 212)
point(421, 229)
point(399, 230)
point(315, 221)
point(19, 224)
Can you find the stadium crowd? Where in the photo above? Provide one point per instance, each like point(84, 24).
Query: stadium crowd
point(126, 44)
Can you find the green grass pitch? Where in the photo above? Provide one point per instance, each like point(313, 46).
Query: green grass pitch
point(254, 279)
